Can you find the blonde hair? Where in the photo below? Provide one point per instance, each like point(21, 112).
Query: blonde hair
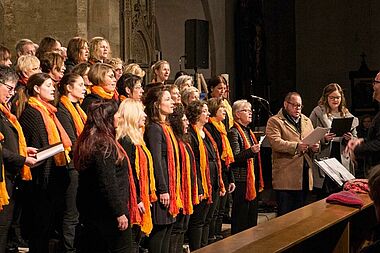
point(185, 93)
point(114, 62)
point(180, 81)
point(157, 66)
point(238, 104)
point(134, 69)
point(26, 62)
point(130, 112)
point(94, 48)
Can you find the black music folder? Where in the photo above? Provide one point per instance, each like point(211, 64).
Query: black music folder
point(341, 126)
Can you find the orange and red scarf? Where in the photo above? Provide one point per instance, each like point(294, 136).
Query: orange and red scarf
point(219, 163)
point(134, 213)
point(56, 133)
point(204, 167)
point(227, 154)
point(173, 170)
point(25, 171)
point(78, 115)
point(251, 189)
point(145, 175)
point(189, 190)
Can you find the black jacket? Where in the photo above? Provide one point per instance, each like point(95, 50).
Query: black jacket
point(241, 154)
point(103, 188)
point(89, 99)
point(370, 149)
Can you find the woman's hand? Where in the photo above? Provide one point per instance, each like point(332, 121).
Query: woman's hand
point(31, 151)
point(165, 199)
point(30, 161)
point(329, 136)
point(122, 222)
point(141, 207)
point(348, 136)
point(255, 148)
point(231, 187)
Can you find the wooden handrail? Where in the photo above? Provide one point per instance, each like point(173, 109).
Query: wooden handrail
point(291, 230)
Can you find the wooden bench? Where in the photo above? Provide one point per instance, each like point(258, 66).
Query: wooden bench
point(318, 227)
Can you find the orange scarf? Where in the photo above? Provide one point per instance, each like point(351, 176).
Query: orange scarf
point(98, 90)
point(56, 133)
point(122, 98)
point(78, 115)
point(173, 170)
point(189, 191)
point(145, 173)
point(25, 171)
point(204, 167)
point(4, 197)
point(251, 189)
point(229, 113)
point(219, 164)
point(227, 154)
point(134, 213)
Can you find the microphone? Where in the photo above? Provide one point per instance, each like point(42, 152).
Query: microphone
point(259, 98)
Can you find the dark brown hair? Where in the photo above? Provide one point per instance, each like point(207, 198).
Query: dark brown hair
point(126, 81)
point(98, 134)
point(66, 80)
point(152, 101)
point(46, 45)
point(73, 48)
point(194, 110)
point(175, 120)
point(323, 101)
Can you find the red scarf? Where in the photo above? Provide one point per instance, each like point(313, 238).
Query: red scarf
point(134, 213)
point(174, 202)
point(251, 189)
point(219, 163)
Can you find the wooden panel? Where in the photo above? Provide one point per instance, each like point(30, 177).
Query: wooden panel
point(304, 228)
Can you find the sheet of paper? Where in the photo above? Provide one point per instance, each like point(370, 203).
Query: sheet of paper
point(49, 152)
point(335, 170)
point(315, 136)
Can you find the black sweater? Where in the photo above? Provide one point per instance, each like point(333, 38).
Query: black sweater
point(103, 188)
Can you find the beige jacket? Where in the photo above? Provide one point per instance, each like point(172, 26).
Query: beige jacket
point(287, 164)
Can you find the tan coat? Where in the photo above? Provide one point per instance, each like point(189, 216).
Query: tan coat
point(287, 164)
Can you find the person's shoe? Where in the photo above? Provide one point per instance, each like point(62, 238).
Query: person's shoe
point(219, 237)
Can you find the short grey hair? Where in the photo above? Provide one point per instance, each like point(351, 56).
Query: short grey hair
point(238, 104)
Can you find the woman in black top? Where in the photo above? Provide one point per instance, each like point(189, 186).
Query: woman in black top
point(103, 190)
point(210, 185)
point(73, 118)
point(246, 169)
point(180, 125)
point(218, 131)
point(160, 141)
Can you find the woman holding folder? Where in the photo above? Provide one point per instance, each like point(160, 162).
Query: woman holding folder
point(42, 128)
point(332, 105)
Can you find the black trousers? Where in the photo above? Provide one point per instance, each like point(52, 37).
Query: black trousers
point(178, 233)
point(209, 216)
point(290, 200)
point(196, 224)
point(5, 222)
point(103, 235)
point(159, 238)
point(244, 213)
point(70, 214)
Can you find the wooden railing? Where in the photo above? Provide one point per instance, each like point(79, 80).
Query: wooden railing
point(318, 227)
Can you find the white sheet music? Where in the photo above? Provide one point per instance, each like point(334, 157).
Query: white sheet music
point(335, 170)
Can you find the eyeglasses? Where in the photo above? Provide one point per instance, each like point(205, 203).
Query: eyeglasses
point(334, 98)
point(375, 82)
point(295, 105)
point(10, 88)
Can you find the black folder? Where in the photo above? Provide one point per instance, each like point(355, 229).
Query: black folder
point(341, 126)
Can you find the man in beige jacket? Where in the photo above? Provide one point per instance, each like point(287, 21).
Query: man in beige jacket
point(292, 159)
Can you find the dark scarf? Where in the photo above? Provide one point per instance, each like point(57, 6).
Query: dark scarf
point(291, 120)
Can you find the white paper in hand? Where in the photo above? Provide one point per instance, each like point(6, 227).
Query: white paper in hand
point(315, 136)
